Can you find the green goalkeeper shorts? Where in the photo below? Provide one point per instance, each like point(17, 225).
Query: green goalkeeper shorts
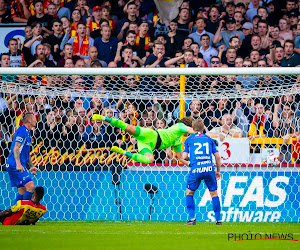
point(147, 140)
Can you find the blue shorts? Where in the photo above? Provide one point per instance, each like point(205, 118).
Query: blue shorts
point(194, 180)
point(18, 179)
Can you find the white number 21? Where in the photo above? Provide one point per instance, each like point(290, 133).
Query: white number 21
point(197, 151)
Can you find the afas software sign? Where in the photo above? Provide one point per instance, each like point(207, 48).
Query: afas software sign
point(256, 197)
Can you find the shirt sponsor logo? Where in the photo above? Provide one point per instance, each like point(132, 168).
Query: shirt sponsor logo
point(201, 170)
point(19, 139)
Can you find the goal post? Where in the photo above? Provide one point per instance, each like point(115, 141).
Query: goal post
point(251, 112)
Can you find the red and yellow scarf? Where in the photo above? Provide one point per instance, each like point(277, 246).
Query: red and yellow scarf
point(253, 127)
point(83, 48)
point(147, 40)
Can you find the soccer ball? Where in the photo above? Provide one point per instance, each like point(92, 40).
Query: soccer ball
point(272, 160)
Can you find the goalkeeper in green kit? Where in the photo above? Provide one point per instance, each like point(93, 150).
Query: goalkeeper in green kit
point(149, 139)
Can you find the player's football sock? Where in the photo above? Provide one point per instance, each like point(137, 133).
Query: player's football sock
point(27, 195)
point(190, 205)
point(216, 207)
point(19, 197)
point(134, 156)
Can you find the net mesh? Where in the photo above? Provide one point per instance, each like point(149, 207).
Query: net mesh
point(250, 116)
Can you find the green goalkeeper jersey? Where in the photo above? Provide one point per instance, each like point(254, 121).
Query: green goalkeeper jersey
point(171, 137)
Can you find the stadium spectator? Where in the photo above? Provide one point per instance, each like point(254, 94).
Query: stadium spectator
point(81, 42)
point(239, 20)
point(36, 38)
point(215, 114)
point(106, 45)
point(5, 13)
point(44, 19)
point(21, 10)
point(228, 129)
point(56, 10)
point(5, 62)
point(39, 55)
point(230, 56)
point(212, 23)
point(16, 56)
point(93, 22)
point(252, 11)
point(248, 82)
point(254, 57)
point(42, 107)
point(49, 129)
point(285, 33)
point(128, 61)
point(238, 62)
point(197, 35)
point(75, 20)
point(224, 36)
point(132, 16)
point(84, 9)
point(261, 125)
point(184, 24)
point(55, 39)
point(291, 59)
point(67, 54)
point(143, 39)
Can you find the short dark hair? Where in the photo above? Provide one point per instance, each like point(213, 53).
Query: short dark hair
point(56, 20)
point(130, 32)
point(68, 44)
point(189, 39)
point(231, 38)
point(128, 47)
point(289, 41)
point(37, 1)
point(204, 35)
point(188, 50)
point(12, 39)
point(214, 57)
point(4, 54)
point(40, 191)
point(34, 24)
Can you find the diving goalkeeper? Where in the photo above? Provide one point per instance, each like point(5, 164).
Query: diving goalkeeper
point(149, 139)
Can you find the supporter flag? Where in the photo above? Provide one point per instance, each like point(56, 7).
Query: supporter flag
point(168, 10)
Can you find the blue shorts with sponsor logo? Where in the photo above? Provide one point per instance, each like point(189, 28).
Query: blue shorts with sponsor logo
point(198, 174)
point(18, 179)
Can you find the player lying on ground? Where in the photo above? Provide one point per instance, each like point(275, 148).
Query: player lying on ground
point(149, 139)
point(25, 212)
point(201, 147)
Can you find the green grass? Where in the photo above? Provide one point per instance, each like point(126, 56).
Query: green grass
point(142, 235)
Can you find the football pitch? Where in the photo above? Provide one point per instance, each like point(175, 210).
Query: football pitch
point(144, 235)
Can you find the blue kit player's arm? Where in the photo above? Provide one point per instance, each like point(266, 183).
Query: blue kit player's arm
point(218, 160)
point(20, 140)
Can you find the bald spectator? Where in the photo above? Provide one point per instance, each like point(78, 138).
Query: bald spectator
point(106, 45)
point(93, 58)
point(228, 129)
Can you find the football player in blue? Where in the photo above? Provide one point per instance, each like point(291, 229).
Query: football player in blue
point(19, 157)
point(201, 147)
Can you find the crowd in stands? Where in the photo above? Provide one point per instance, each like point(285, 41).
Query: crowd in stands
point(130, 34)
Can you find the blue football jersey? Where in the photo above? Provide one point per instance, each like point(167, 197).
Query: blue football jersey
point(22, 136)
point(200, 147)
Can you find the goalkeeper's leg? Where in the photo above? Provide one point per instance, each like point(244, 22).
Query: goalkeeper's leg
point(145, 155)
point(117, 123)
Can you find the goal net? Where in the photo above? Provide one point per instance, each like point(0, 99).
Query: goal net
point(252, 113)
